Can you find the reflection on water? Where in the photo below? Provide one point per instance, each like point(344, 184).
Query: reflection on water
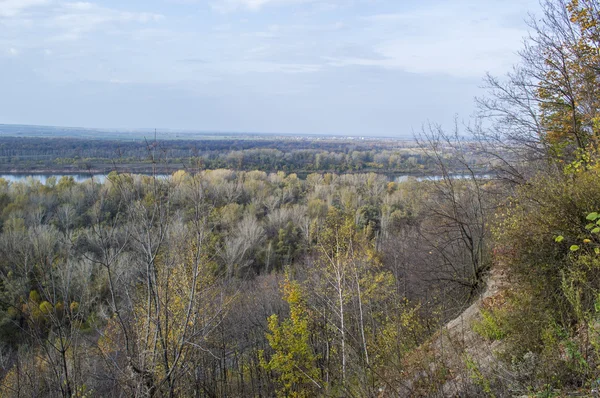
point(438, 178)
point(101, 178)
point(43, 178)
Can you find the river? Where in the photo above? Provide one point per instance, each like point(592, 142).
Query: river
point(101, 178)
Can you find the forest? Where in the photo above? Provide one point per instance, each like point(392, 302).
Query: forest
point(300, 156)
point(240, 280)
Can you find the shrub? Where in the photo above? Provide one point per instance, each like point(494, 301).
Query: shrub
point(489, 326)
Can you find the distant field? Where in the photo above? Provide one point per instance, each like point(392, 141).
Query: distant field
point(16, 130)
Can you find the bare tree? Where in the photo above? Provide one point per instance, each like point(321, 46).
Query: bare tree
point(456, 226)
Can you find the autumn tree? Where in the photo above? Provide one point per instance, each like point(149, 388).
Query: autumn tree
point(547, 107)
point(293, 361)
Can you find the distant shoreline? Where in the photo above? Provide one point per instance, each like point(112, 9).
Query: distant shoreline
point(130, 134)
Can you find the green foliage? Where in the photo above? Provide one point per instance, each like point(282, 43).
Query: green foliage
point(35, 296)
point(478, 377)
point(46, 308)
point(546, 391)
point(369, 217)
point(292, 361)
point(78, 257)
point(489, 326)
point(554, 261)
point(245, 153)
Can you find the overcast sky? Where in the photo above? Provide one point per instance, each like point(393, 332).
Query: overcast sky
point(355, 67)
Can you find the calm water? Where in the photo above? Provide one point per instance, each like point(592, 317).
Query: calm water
point(101, 178)
point(438, 178)
point(43, 178)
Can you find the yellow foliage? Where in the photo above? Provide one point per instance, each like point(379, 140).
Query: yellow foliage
point(46, 308)
point(292, 360)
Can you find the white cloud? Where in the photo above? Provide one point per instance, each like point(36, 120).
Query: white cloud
point(286, 58)
point(274, 67)
point(464, 39)
point(232, 5)
point(12, 8)
point(60, 19)
point(75, 19)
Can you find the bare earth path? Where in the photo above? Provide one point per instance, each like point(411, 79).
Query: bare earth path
point(456, 344)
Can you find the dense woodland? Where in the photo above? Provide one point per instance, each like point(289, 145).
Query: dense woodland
point(230, 282)
point(128, 281)
point(300, 156)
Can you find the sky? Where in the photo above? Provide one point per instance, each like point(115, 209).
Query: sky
point(344, 67)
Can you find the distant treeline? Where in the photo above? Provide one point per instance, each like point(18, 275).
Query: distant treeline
point(70, 154)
